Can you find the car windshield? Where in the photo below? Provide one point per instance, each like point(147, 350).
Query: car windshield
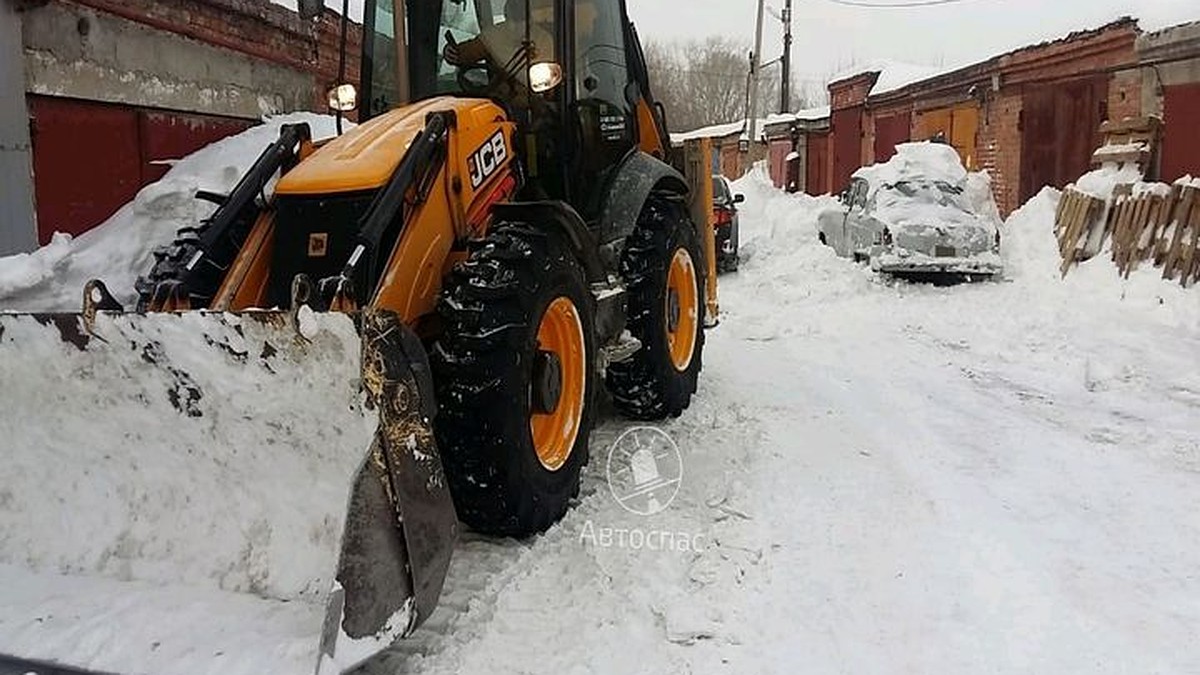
point(908, 193)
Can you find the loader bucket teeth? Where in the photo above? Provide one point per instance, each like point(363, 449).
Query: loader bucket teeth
point(251, 492)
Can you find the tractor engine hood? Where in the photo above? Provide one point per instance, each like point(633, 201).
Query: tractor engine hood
point(365, 157)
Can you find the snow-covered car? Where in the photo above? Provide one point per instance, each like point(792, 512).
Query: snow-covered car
point(915, 216)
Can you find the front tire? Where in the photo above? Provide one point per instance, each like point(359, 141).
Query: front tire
point(514, 371)
point(663, 269)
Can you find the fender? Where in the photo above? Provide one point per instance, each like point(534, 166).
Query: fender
point(637, 177)
point(567, 222)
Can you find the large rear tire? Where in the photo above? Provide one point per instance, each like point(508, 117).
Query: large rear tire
point(514, 372)
point(663, 268)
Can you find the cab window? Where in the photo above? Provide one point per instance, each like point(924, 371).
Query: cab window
point(601, 80)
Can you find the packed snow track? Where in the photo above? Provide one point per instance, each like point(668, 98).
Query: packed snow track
point(882, 478)
point(877, 477)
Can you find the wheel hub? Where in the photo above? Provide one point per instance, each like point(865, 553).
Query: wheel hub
point(673, 310)
point(547, 382)
point(682, 309)
point(558, 383)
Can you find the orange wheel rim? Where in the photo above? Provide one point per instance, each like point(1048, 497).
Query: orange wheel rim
point(682, 314)
point(561, 366)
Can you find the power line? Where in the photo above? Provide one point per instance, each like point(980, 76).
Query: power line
point(895, 5)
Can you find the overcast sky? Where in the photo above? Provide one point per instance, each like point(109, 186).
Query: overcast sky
point(830, 37)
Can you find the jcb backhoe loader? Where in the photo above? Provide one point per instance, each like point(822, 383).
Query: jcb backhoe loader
point(262, 467)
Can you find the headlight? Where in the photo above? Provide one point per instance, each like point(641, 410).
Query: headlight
point(544, 76)
point(343, 98)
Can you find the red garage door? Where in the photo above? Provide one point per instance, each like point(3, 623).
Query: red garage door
point(817, 178)
point(85, 162)
point(889, 132)
point(1181, 143)
point(847, 145)
point(90, 158)
point(779, 151)
point(1060, 129)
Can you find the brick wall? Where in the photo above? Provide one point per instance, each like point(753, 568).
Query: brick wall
point(329, 32)
point(1125, 95)
point(260, 29)
point(851, 92)
point(999, 147)
point(256, 27)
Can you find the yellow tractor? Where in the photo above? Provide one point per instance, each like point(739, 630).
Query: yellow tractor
point(501, 237)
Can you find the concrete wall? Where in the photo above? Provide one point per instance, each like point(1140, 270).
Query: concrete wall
point(18, 231)
point(79, 52)
point(1179, 50)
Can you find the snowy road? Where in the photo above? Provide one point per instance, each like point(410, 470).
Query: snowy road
point(881, 478)
point(886, 479)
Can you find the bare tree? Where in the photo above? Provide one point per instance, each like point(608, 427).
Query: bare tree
point(703, 83)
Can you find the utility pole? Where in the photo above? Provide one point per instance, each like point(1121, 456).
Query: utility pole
point(755, 64)
point(785, 91)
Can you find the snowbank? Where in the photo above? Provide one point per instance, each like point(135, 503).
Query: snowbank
point(1101, 182)
point(121, 249)
point(918, 161)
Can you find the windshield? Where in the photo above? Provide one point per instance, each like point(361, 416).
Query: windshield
point(907, 194)
point(458, 46)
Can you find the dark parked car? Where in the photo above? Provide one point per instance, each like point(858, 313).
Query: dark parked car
point(726, 217)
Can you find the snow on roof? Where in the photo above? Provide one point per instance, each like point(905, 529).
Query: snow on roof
point(893, 75)
point(917, 161)
point(715, 131)
point(899, 75)
point(723, 130)
point(896, 75)
point(806, 115)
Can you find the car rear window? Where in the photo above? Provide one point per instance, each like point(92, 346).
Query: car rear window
point(720, 190)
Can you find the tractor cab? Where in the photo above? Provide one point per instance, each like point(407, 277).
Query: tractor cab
point(570, 73)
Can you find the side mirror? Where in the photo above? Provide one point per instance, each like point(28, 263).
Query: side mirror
point(739, 199)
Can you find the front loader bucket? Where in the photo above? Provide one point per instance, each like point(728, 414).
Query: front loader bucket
point(215, 493)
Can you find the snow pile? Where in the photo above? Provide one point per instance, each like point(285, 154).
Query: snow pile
point(980, 196)
point(121, 249)
point(171, 484)
point(1028, 244)
point(770, 218)
point(1103, 181)
point(935, 162)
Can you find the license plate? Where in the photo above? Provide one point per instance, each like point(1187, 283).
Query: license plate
point(945, 251)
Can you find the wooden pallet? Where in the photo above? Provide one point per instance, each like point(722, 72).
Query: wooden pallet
point(1181, 255)
point(1077, 214)
point(1159, 226)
